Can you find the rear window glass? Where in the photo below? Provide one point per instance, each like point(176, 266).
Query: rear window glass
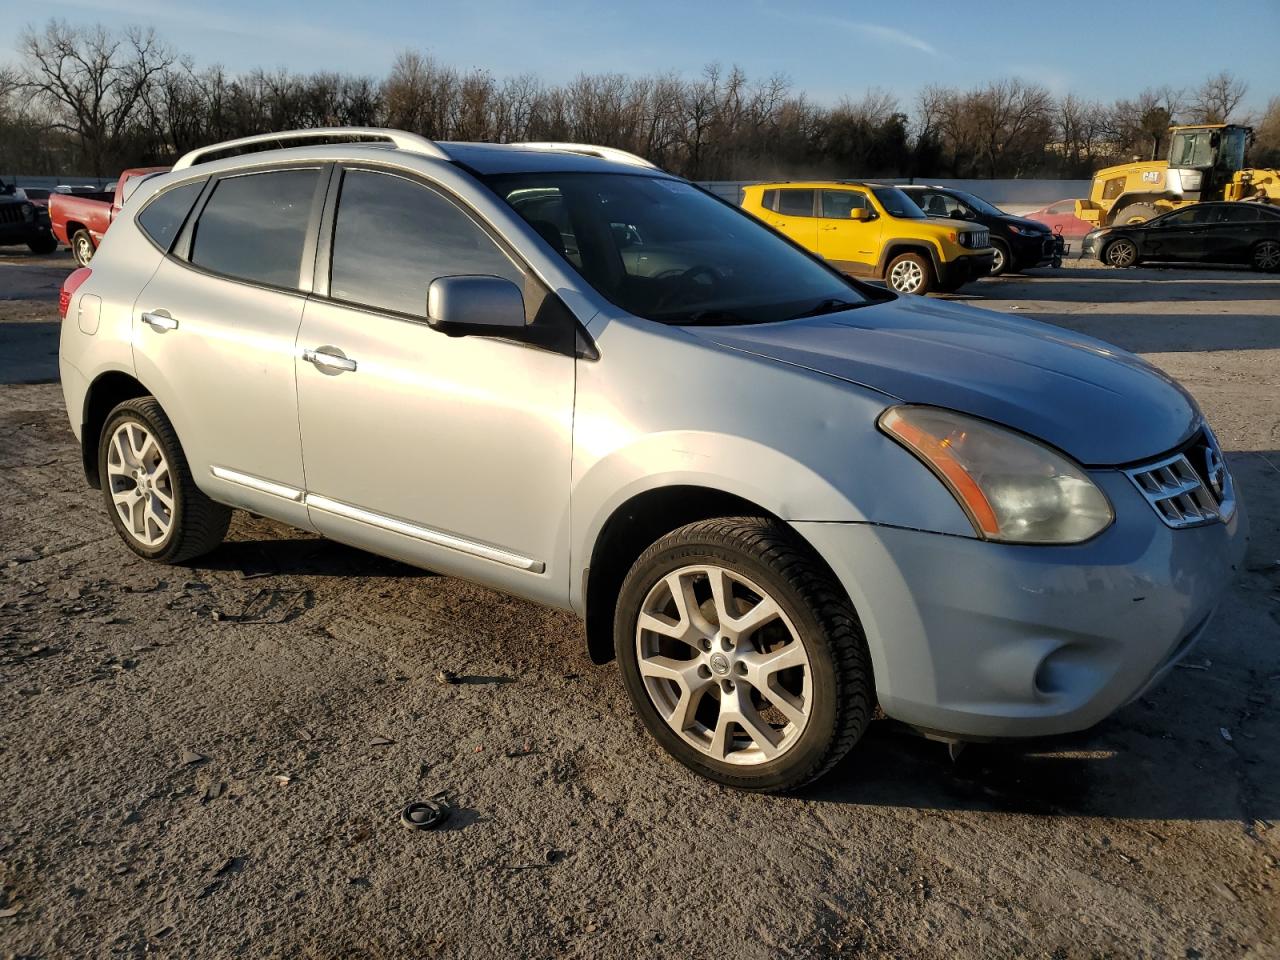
point(163, 216)
point(796, 203)
point(769, 199)
point(254, 226)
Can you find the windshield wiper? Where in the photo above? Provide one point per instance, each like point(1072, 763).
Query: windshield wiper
point(831, 305)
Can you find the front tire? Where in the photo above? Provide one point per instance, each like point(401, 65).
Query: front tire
point(45, 243)
point(1266, 256)
point(741, 654)
point(82, 247)
point(1120, 253)
point(153, 502)
point(1002, 263)
point(910, 273)
point(1135, 213)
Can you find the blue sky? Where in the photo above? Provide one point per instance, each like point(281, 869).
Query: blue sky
point(827, 48)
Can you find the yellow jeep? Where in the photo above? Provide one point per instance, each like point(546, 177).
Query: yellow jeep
point(874, 230)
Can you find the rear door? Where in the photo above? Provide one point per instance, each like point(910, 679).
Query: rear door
point(796, 215)
point(1231, 231)
point(215, 332)
point(851, 245)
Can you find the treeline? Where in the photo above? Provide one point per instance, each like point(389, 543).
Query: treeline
point(90, 101)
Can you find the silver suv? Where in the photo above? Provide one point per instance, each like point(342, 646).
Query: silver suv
point(778, 496)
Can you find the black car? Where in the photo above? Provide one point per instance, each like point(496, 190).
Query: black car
point(1019, 243)
point(1219, 232)
point(21, 221)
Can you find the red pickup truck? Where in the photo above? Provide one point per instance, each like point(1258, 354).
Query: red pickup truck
point(80, 220)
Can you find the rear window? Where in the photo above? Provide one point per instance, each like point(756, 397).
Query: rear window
point(254, 226)
point(164, 214)
point(795, 203)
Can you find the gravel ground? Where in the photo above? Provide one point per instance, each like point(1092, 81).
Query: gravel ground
point(210, 760)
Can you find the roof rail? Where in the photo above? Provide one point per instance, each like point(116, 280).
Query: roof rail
point(409, 142)
point(591, 150)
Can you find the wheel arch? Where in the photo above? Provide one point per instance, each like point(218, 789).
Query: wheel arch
point(634, 526)
point(106, 391)
point(895, 248)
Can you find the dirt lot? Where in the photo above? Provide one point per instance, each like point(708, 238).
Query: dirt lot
point(210, 761)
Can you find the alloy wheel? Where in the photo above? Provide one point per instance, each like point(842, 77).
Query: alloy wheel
point(84, 250)
point(906, 276)
point(724, 665)
point(141, 483)
point(997, 262)
point(1266, 256)
point(1122, 253)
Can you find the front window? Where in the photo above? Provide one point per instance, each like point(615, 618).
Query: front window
point(982, 206)
point(898, 204)
point(665, 250)
point(1194, 149)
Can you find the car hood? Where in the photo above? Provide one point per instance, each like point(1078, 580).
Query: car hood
point(1100, 404)
point(1024, 223)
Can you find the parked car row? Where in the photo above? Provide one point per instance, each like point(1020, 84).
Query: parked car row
point(1224, 232)
point(782, 499)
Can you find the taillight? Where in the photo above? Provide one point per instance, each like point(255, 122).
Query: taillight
point(69, 287)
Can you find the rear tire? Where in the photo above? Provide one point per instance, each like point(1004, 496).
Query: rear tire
point(152, 500)
point(1135, 213)
point(1003, 262)
point(46, 243)
point(742, 656)
point(910, 273)
point(1266, 256)
point(82, 248)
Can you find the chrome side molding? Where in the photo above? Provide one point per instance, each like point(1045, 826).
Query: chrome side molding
point(257, 483)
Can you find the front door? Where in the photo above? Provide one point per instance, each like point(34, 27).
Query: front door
point(451, 452)
point(214, 335)
point(851, 245)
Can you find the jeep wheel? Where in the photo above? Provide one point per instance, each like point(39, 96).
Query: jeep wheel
point(82, 247)
point(743, 658)
point(1120, 253)
point(1266, 256)
point(154, 504)
point(45, 243)
point(910, 273)
point(1002, 262)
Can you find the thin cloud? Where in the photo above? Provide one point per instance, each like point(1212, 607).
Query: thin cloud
point(890, 35)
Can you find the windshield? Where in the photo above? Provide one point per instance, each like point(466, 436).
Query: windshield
point(898, 204)
point(982, 206)
point(665, 250)
point(1193, 149)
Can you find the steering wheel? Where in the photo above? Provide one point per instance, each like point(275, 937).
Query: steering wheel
point(684, 283)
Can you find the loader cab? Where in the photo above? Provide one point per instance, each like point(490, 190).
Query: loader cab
point(1206, 157)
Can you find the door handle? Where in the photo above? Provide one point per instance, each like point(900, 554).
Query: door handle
point(159, 320)
point(829, 228)
point(327, 360)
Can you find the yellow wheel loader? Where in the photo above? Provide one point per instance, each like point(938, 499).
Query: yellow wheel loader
point(1206, 162)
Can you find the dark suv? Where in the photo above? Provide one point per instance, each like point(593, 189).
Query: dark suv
point(1019, 243)
point(21, 221)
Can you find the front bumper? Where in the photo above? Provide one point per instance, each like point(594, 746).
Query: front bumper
point(1036, 250)
point(981, 640)
point(971, 266)
point(1091, 245)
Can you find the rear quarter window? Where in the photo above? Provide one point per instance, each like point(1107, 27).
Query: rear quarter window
point(165, 213)
point(769, 199)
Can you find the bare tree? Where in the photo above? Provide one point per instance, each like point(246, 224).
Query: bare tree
point(1215, 100)
point(93, 82)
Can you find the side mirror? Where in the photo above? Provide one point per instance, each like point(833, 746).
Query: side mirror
point(859, 214)
point(475, 305)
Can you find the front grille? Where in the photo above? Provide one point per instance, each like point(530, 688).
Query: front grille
point(11, 213)
point(1190, 488)
point(975, 239)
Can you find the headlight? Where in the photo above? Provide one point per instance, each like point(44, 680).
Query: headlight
point(28, 211)
point(1013, 489)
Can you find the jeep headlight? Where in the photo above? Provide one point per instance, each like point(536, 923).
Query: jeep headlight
point(1013, 488)
point(28, 211)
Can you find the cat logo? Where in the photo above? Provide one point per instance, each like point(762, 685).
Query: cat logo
point(1152, 176)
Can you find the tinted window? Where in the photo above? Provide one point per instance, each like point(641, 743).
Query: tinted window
point(795, 203)
point(937, 204)
point(897, 204)
point(836, 204)
point(255, 226)
point(1235, 214)
point(769, 199)
point(1183, 218)
point(683, 256)
point(392, 237)
point(162, 217)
